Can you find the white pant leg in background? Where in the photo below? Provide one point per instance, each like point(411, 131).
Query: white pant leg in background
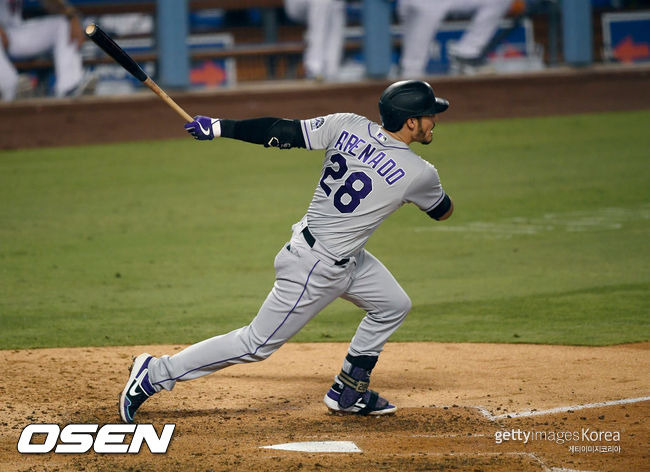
point(49, 34)
point(334, 40)
point(296, 10)
point(375, 290)
point(420, 20)
point(325, 20)
point(482, 28)
point(8, 77)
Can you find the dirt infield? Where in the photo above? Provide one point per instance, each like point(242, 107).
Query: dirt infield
point(453, 399)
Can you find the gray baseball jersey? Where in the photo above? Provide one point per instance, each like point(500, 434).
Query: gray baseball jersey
point(366, 176)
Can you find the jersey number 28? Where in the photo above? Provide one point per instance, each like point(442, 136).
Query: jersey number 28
point(349, 195)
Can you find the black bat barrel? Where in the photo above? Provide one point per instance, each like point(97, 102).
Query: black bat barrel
point(104, 41)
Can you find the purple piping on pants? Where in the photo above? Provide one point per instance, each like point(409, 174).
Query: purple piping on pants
point(261, 345)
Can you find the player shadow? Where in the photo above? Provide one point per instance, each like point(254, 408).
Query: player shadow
point(170, 416)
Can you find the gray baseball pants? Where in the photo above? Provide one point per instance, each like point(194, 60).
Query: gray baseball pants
point(307, 280)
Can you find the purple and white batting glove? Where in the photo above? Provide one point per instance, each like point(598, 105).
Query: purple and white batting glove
point(204, 128)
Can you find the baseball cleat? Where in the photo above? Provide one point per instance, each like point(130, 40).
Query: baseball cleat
point(137, 389)
point(369, 403)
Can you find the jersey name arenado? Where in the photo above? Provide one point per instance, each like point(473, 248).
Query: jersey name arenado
point(366, 176)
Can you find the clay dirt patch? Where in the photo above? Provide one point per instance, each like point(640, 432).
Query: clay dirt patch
point(223, 420)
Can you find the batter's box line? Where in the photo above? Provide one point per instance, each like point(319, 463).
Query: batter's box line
point(562, 409)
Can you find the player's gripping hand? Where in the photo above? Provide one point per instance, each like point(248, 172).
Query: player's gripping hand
point(204, 128)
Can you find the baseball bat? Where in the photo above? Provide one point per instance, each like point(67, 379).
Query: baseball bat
point(110, 47)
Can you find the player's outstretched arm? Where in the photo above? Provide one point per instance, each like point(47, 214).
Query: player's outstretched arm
point(268, 131)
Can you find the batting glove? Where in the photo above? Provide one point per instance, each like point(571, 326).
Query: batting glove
point(204, 128)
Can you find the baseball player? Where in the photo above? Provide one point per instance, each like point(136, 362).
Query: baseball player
point(368, 172)
point(60, 34)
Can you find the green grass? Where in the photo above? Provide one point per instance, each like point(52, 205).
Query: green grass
point(172, 242)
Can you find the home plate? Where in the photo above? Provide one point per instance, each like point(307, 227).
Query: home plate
point(316, 446)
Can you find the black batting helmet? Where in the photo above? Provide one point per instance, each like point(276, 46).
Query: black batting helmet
point(408, 99)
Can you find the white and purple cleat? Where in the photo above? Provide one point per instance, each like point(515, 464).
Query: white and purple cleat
point(362, 403)
point(137, 389)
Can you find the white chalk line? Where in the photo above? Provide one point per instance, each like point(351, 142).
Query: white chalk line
point(491, 417)
point(351, 447)
point(562, 409)
point(612, 218)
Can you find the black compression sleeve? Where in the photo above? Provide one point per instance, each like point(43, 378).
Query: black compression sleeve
point(441, 208)
point(269, 131)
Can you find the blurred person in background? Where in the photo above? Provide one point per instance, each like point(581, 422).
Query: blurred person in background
point(421, 20)
point(59, 33)
point(325, 20)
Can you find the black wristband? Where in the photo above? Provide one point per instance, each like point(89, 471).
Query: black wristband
point(440, 209)
point(227, 128)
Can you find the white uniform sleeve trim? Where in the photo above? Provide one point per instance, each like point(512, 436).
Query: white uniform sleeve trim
point(437, 202)
point(305, 134)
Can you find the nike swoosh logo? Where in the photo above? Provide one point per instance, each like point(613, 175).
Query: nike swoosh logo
point(205, 131)
point(137, 382)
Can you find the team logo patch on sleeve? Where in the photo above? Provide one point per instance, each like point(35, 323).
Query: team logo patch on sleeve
point(316, 123)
